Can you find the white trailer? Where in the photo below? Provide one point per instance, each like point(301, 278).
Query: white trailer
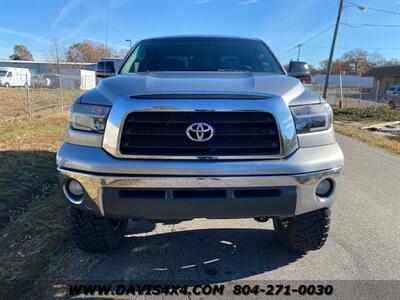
point(12, 77)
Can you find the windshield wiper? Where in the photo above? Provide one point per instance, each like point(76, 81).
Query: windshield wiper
point(230, 70)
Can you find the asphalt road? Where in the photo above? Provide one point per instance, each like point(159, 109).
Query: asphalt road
point(364, 240)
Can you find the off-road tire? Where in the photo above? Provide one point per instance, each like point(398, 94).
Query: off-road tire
point(304, 232)
point(95, 233)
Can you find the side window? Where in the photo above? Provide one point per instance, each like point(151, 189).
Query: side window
point(9, 74)
point(136, 62)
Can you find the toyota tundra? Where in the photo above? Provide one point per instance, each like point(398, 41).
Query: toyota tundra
point(199, 127)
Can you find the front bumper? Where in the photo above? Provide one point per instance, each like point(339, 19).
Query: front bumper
point(193, 189)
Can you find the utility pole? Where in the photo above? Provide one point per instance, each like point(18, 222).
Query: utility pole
point(298, 52)
point(107, 25)
point(328, 71)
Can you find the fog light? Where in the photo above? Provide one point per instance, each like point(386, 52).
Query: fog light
point(75, 188)
point(324, 188)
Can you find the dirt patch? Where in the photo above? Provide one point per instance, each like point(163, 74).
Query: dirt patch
point(390, 131)
point(376, 126)
point(392, 145)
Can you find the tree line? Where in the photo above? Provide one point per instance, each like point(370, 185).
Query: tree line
point(356, 61)
point(83, 52)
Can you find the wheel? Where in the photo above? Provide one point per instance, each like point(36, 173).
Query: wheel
point(392, 105)
point(304, 232)
point(7, 85)
point(96, 234)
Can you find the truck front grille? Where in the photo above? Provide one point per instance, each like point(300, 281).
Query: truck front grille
point(235, 134)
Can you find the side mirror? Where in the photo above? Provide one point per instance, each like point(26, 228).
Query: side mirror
point(105, 69)
point(300, 70)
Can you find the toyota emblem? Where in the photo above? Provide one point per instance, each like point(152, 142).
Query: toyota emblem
point(200, 132)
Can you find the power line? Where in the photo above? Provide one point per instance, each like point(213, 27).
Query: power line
point(369, 25)
point(354, 47)
point(343, 23)
point(307, 40)
point(318, 34)
point(349, 25)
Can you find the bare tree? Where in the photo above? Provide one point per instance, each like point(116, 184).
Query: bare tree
point(392, 62)
point(121, 53)
point(56, 55)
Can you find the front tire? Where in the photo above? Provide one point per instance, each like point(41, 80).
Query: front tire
point(392, 105)
point(95, 233)
point(304, 232)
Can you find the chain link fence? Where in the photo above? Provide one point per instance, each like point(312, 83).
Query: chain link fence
point(42, 94)
point(350, 97)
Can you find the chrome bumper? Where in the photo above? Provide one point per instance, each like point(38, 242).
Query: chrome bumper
point(306, 199)
point(96, 171)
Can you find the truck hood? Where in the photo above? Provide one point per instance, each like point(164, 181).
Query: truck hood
point(288, 88)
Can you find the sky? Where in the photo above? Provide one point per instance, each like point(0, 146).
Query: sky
point(282, 24)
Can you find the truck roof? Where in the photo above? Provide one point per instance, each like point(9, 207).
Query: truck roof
point(201, 37)
point(13, 68)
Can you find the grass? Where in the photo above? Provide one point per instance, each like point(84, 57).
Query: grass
point(33, 248)
point(366, 115)
point(14, 101)
point(28, 161)
point(33, 238)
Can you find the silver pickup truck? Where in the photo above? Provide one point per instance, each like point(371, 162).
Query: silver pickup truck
point(199, 127)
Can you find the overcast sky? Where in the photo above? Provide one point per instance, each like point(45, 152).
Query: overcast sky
point(281, 23)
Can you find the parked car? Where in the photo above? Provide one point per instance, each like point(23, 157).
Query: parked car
point(393, 91)
point(301, 70)
point(199, 127)
point(54, 80)
point(14, 77)
point(40, 81)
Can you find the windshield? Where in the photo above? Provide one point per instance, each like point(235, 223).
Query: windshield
point(201, 54)
point(3, 73)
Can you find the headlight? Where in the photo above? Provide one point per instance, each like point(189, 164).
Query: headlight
point(88, 117)
point(310, 118)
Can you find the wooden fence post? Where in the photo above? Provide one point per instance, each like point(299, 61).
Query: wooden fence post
point(61, 94)
point(377, 93)
point(28, 97)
